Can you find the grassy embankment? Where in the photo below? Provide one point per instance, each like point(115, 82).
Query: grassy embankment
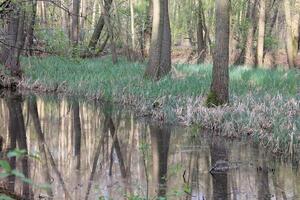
point(264, 103)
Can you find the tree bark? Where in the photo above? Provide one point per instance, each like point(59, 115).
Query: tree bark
point(296, 29)
point(261, 33)
point(30, 32)
point(14, 41)
point(109, 26)
point(289, 34)
point(132, 25)
point(220, 78)
point(99, 27)
point(160, 50)
point(251, 15)
point(201, 46)
point(75, 22)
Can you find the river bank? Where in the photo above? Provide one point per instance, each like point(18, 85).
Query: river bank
point(264, 104)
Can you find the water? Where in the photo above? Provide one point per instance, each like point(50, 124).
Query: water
point(89, 150)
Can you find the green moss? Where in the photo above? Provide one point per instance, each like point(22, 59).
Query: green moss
point(213, 100)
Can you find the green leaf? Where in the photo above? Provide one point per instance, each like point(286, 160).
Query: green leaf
point(5, 165)
point(16, 153)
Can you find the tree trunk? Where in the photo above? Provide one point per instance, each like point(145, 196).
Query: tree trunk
point(296, 29)
point(107, 22)
point(220, 78)
point(261, 33)
point(145, 33)
point(15, 40)
point(30, 32)
point(132, 26)
point(82, 19)
point(75, 22)
point(289, 34)
point(201, 46)
point(160, 50)
point(99, 27)
point(251, 15)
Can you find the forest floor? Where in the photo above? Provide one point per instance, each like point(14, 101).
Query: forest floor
point(264, 103)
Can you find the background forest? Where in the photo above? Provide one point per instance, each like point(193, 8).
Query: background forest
point(262, 32)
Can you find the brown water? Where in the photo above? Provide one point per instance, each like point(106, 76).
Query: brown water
point(89, 150)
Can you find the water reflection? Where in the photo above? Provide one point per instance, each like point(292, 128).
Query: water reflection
point(89, 150)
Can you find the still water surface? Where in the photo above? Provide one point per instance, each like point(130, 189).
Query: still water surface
point(89, 150)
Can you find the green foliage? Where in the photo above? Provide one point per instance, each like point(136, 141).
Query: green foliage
point(55, 41)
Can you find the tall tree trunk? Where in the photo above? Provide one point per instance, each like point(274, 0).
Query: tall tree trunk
point(289, 34)
point(132, 26)
point(160, 50)
point(15, 39)
point(220, 78)
point(251, 15)
point(296, 29)
point(30, 33)
point(82, 19)
point(99, 27)
point(201, 46)
point(261, 33)
point(75, 22)
point(145, 33)
point(109, 26)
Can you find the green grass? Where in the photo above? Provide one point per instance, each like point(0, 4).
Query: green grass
point(95, 76)
point(263, 103)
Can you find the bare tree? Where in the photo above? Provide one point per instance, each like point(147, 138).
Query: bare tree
point(261, 33)
point(201, 45)
point(75, 22)
point(99, 27)
point(219, 93)
point(160, 50)
point(15, 37)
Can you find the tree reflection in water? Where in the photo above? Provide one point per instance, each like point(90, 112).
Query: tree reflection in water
point(160, 140)
point(90, 150)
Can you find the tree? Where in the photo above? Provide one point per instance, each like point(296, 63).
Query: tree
point(132, 25)
point(292, 32)
point(99, 27)
point(251, 14)
point(219, 93)
point(14, 38)
point(201, 45)
point(30, 31)
point(160, 50)
point(107, 22)
point(261, 33)
point(75, 22)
